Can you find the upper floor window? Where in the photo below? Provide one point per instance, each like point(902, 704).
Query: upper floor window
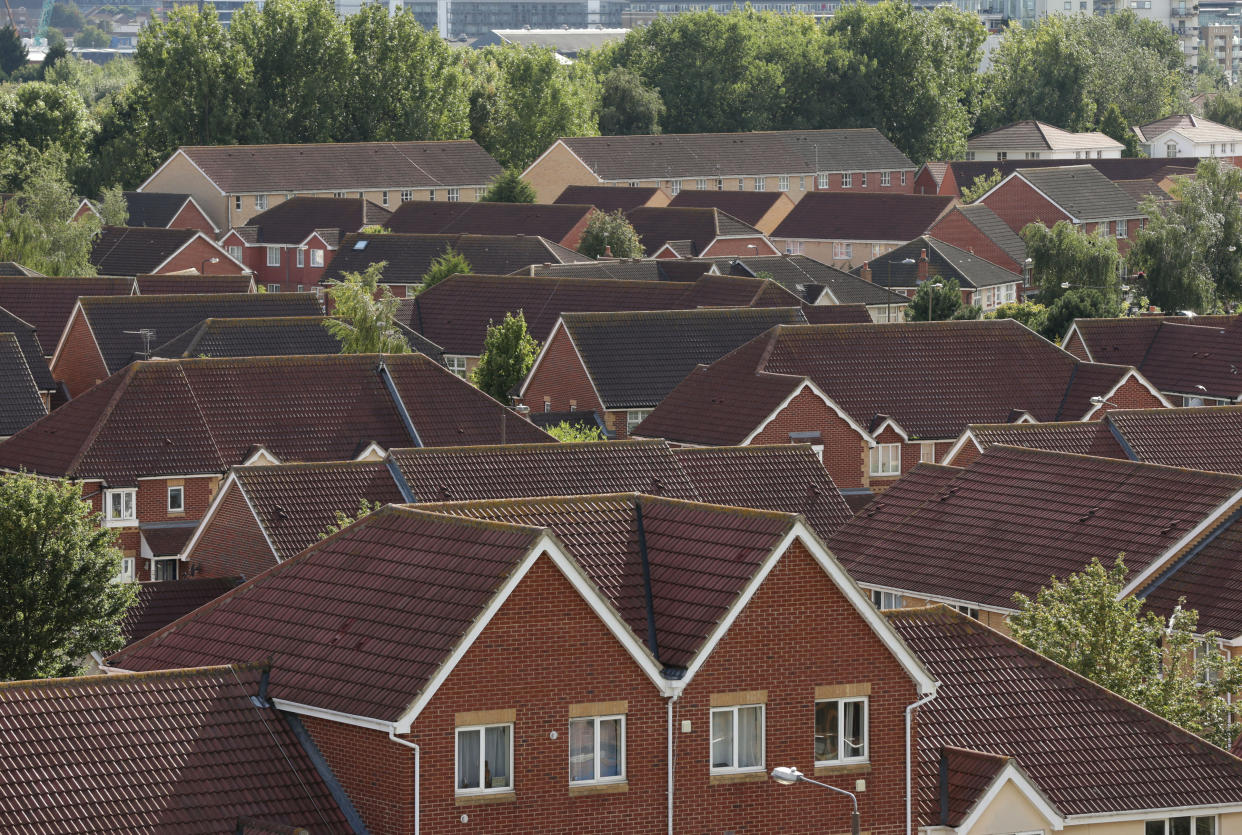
point(886, 459)
point(782, 182)
point(794, 247)
point(338, 194)
point(737, 738)
point(127, 570)
point(176, 499)
point(761, 184)
point(454, 195)
point(1122, 229)
point(597, 749)
point(847, 181)
point(841, 251)
point(968, 611)
point(260, 201)
point(273, 288)
point(1182, 825)
point(1035, 154)
point(822, 182)
point(886, 178)
point(273, 256)
point(301, 257)
point(383, 198)
point(674, 186)
point(431, 194)
point(970, 156)
point(634, 417)
point(903, 178)
point(1002, 156)
point(407, 195)
point(456, 364)
point(235, 252)
point(484, 759)
point(120, 506)
point(887, 599)
point(316, 257)
point(862, 180)
point(1170, 149)
point(741, 184)
point(237, 202)
point(841, 731)
point(719, 185)
point(700, 184)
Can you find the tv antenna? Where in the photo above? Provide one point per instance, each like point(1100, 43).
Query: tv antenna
point(147, 335)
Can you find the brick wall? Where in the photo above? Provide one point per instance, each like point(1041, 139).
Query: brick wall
point(739, 246)
point(872, 185)
point(1077, 347)
point(966, 456)
point(79, 364)
point(232, 543)
point(955, 229)
point(574, 236)
point(376, 773)
point(1131, 395)
point(193, 256)
point(287, 275)
point(191, 218)
point(1016, 203)
point(560, 379)
point(845, 455)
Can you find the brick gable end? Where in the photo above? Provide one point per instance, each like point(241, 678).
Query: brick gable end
point(231, 543)
point(79, 365)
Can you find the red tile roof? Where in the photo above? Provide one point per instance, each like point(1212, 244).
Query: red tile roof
point(1078, 437)
point(132, 250)
point(27, 340)
point(697, 227)
point(20, 402)
point(965, 776)
point(159, 604)
point(552, 221)
point(173, 283)
point(294, 220)
point(1210, 581)
point(747, 206)
point(47, 303)
point(608, 198)
point(845, 216)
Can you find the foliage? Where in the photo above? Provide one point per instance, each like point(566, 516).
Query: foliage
point(1076, 304)
point(113, 210)
point(612, 232)
point(1031, 314)
point(93, 82)
point(67, 17)
point(509, 187)
point(1113, 125)
point(92, 37)
point(343, 520)
point(40, 122)
point(1224, 107)
point(365, 314)
point(508, 353)
point(450, 263)
point(120, 152)
point(945, 301)
point(1083, 623)
point(12, 50)
point(35, 228)
point(572, 433)
point(627, 105)
point(1066, 255)
point(57, 565)
point(981, 186)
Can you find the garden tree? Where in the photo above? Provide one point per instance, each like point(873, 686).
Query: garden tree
point(450, 263)
point(1210, 78)
point(113, 208)
point(1031, 314)
point(12, 50)
point(509, 187)
point(627, 105)
point(92, 37)
point(945, 302)
point(1113, 125)
point(344, 520)
point(57, 564)
point(35, 228)
point(1083, 623)
point(508, 353)
point(40, 121)
point(119, 153)
point(93, 82)
point(1065, 255)
point(365, 314)
point(572, 433)
point(981, 186)
point(610, 233)
point(67, 17)
point(1224, 107)
point(1077, 304)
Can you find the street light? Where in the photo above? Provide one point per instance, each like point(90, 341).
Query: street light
point(1100, 401)
point(909, 262)
point(202, 268)
point(931, 301)
point(789, 776)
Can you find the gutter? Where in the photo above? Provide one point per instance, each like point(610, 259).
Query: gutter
point(417, 776)
point(909, 761)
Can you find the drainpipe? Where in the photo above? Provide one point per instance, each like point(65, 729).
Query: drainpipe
point(418, 764)
point(909, 762)
point(671, 700)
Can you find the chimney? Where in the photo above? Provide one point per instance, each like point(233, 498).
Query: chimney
point(865, 272)
point(922, 266)
point(607, 251)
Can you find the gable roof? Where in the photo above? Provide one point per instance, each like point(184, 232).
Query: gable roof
point(292, 221)
point(697, 227)
point(967, 543)
point(994, 229)
point(1126, 168)
point(47, 303)
point(20, 401)
point(13, 268)
point(861, 216)
point(627, 269)
point(343, 166)
point(184, 750)
point(160, 603)
point(747, 206)
point(552, 221)
point(153, 209)
point(810, 279)
point(1039, 136)
point(27, 343)
point(192, 283)
point(608, 198)
point(275, 336)
point(998, 697)
point(1195, 128)
point(944, 260)
point(1082, 191)
point(131, 250)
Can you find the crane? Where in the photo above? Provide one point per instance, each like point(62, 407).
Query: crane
point(40, 33)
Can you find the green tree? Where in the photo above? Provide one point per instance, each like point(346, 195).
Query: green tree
point(67, 17)
point(572, 433)
point(365, 314)
point(1224, 107)
point(627, 105)
point(113, 208)
point(1113, 125)
point(344, 520)
point(1076, 304)
point(509, 187)
point(12, 50)
point(610, 233)
point(57, 565)
point(508, 353)
point(120, 152)
point(450, 263)
point(944, 301)
point(1031, 314)
point(40, 122)
point(981, 186)
point(35, 228)
point(1083, 623)
point(92, 37)
point(1066, 255)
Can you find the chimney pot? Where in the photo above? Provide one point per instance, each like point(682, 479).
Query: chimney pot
point(865, 272)
point(922, 266)
point(607, 251)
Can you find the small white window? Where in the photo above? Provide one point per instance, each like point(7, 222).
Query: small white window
point(1002, 155)
point(301, 288)
point(887, 599)
point(597, 750)
point(407, 195)
point(273, 288)
point(1170, 150)
point(431, 195)
point(1122, 228)
point(741, 184)
point(927, 452)
point(802, 184)
point(127, 570)
point(120, 507)
point(176, 499)
point(454, 195)
point(457, 365)
point(235, 252)
point(338, 194)
point(273, 256)
point(903, 178)
point(842, 251)
point(316, 257)
point(634, 417)
point(970, 156)
point(675, 187)
point(484, 759)
point(700, 184)
point(862, 180)
point(737, 738)
point(1035, 154)
point(847, 181)
point(823, 182)
point(886, 459)
point(968, 611)
point(794, 247)
point(719, 185)
point(633, 183)
point(840, 731)
point(383, 198)
point(761, 184)
point(886, 178)
point(301, 257)
point(782, 182)
point(260, 201)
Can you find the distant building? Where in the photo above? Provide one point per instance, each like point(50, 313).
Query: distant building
point(1188, 136)
point(1030, 139)
point(564, 41)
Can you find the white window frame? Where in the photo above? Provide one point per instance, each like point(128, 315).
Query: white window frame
point(273, 288)
point(1194, 819)
point(123, 520)
point(675, 187)
point(260, 201)
point(383, 198)
point(237, 202)
point(482, 729)
point(431, 194)
point(633, 417)
point(1002, 156)
point(862, 180)
point(887, 600)
point(407, 194)
point(782, 182)
point(763, 741)
point(822, 182)
point(886, 178)
point(338, 194)
point(761, 184)
point(794, 247)
point(701, 184)
point(1123, 228)
point(878, 466)
point(273, 252)
point(316, 258)
point(842, 251)
point(741, 184)
point(847, 180)
point(963, 609)
point(866, 717)
point(596, 720)
point(454, 195)
point(719, 184)
point(927, 452)
point(178, 491)
point(176, 568)
point(301, 256)
point(457, 364)
point(235, 252)
point(970, 156)
point(129, 565)
point(903, 178)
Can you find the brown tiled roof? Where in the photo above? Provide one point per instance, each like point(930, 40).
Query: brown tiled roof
point(176, 417)
point(848, 216)
point(28, 343)
point(994, 229)
point(1129, 168)
point(628, 269)
point(47, 303)
point(837, 314)
point(964, 777)
point(20, 401)
point(1210, 582)
point(810, 279)
point(172, 284)
point(167, 539)
point(294, 220)
point(159, 604)
point(153, 209)
point(274, 336)
point(344, 166)
point(1139, 190)
point(1078, 437)
point(8, 268)
point(747, 206)
point(1015, 518)
point(608, 198)
point(695, 227)
point(998, 697)
point(184, 751)
point(1082, 191)
point(944, 260)
point(740, 291)
point(1030, 134)
point(131, 250)
point(552, 221)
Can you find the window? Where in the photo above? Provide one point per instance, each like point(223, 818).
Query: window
point(700, 184)
point(301, 288)
point(719, 185)
point(597, 749)
point(1035, 154)
point(1184, 825)
point(841, 251)
point(338, 194)
point(127, 570)
point(120, 507)
point(886, 178)
point(165, 569)
point(383, 198)
point(634, 417)
point(273, 256)
point(737, 738)
point(823, 182)
point(176, 499)
point(886, 459)
point(741, 184)
point(794, 247)
point(235, 252)
point(840, 731)
point(407, 195)
point(431, 194)
point(1002, 155)
point(847, 180)
point(1122, 229)
point(1170, 150)
point(968, 611)
point(927, 453)
point(273, 288)
point(237, 202)
point(887, 599)
point(484, 759)
point(454, 195)
point(675, 187)
point(862, 180)
point(457, 365)
point(970, 156)
point(260, 201)
point(301, 257)
point(761, 184)
point(903, 178)
point(1100, 154)
point(316, 257)
point(633, 184)
point(802, 183)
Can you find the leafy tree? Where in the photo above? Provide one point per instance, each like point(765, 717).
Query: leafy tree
point(450, 263)
point(120, 152)
point(35, 228)
point(40, 121)
point(365, 314)
point(343, 520)
point(508, 353)
point(113, 209)
point(612, 232)
point(1065, 255)
point(572, 433)
point(12, 50)
point(981, 186)
point(1076, 304)
point(1113, 125)
point(945, 301)
point(1031, 314)
point(1210, 77)
point(627, 105)
point(57, 566)
point(67, 17)
point(1085, 624)
point(1224, 107)
point(509, 187)
point(92, 37)
point(93, 82)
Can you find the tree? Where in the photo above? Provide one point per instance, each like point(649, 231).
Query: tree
point(1076, 304)
point(67, 17)
point(981, 186)
point(1066, 255)
point(572, 433)
point(1224, 107)
point(1085, 624)
point(1113, 125)
point(1031, 314)
point(12, 50)
point(40, 121)
point(365, 314)
point(121, 151)
point(627, 105)
point(92, 37)
point(35, 229)
point(509, 187)
point(57, 566)
point(610, 232)
point(113, 208)
point(508, 353)
point(450, 263)
point(343, 520)
point(945, 301)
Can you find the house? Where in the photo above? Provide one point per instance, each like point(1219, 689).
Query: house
point(977, 229)
point(949, 178)
point(1194, 361)
point(668, 232)
point(845, 229)
point(106, 333)
point(266, 514)
point(1196, 438)
point(952, 534)
point(1187, 135)
point(881, 398)
point(21, 403)
point(630, 269)
point(24, 358)
point(47, 303)
point(622, 364)
point(233, 183)
point(288, 246)
point(407, 258)
point(1031, 139)
point(561, 223)
point(613, 198)
point(152, 443)
point(132, 251)
point(795, 162)
point(983, 283)
point(159, 211)
point(193, 283)
point(161, 602)
point(763, 210)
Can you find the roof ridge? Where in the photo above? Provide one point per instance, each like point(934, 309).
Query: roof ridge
point(148, 675)
point(376, 142)
point(507, 449)
point(129, 371)
point(1118, 462)
point(622, 497)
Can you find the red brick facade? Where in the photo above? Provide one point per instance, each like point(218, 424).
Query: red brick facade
point(845, 451)
point(559, 383)
point(1077, 347)
point(233, 545)
point(152, 506)
point(196, 255)
point(955, 229)
point(191, 218)
point(869, 181)
point(78, 363)
point(1016, 203)
point(286, 277)
point(1130, 395)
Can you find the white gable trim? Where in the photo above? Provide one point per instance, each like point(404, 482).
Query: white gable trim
point(1154, 814)
point(167, 162)
point(1162, 562)
point(1012, 773)
point(807, 383)
point(560, 324)
point(189, 198)
point(211, 511)
point(332, 715)
point(888, 421)
point(1073, 329)
point(1033, 188)
point(372, 449)
point(1131, 374)
point(656, 254)
point(245, 270)
point(966, 437)
point(89, 206)
point(260, 457)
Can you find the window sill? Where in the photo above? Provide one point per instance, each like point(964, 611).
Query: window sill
point(485, 799)
point(847, 768)
point(120, 523)
point(740, 777)
point(599, 788)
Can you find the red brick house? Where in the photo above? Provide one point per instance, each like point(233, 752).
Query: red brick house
point(160, 211)
point(983, 283)
point(562, 223)
point(669, 232)
point(47, 303)
point(980, 231)
point(132, 251)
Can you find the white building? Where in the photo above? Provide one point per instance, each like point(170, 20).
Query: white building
point(1030, 139)
point(1188, 136)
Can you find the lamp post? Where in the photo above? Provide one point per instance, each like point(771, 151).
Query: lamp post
point(202, 268)
point(1027, 268)
point(909, 262)
point(931, 301)
point(789, 776)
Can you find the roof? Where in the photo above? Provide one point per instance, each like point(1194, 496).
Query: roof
point(408, 257)
point(185, 751)
point(944, 260)
point(27, 340)
point(13, 268)
point(608, 198)
point(1126, 168)
point(1139, 190)
point(697, 227)
point(20, 401)
point(747, 206)
point(187, 283)
point(153, 209)
point(159, 604)
point(191, 416)
point(276, 336)
point(809, 279)
point(846, 216)
point(1082, 191)
point(628, 269)
point(552, 221)
point(1093, 437)
point(965, 778)
point(673, 155)
point(998, 697)
point(1006, 522)
point(129, 250)
point(1208, 582)
point(837, 314)
point(1038, 136)
point(115, 321)
point(47, 303)
point(294, 220)
point(1195, 128)
point(634, 359)
point(994, 229)
point(583, 419)
point(343, 166)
